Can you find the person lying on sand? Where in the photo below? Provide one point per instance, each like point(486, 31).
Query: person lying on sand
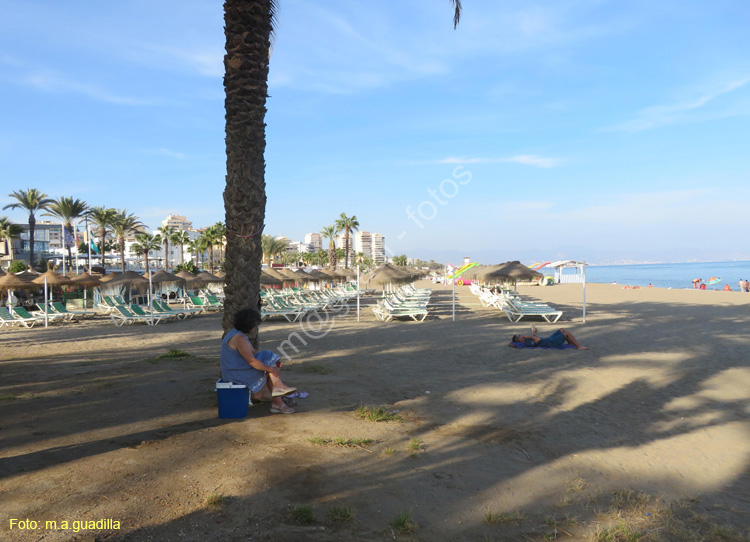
point(259, 371)
point(556, 340)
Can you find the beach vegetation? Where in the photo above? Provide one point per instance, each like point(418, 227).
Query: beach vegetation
point(102, 217)
point(8, 397)
point(67, 209)
point(340, 514)
point(188, 266)
point(216, 500)
point(330, 233)
point(341, 442)
point(414, 445)
point(17, 266)
point(302, 514)
point(388, 451)
point(32, 201)
point(173, 354)
point(145, 243)
point(376, 414)
point(404, 524)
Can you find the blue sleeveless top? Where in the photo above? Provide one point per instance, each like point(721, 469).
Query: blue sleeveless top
point(234, 368)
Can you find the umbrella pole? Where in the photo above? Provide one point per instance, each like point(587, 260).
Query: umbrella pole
point(45, 301)
point(150, 297)
point(357, 293)
point(454, 296)
point(584, 292)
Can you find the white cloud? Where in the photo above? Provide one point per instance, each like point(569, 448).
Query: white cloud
point(661, 115)
point(54, 83)
point(525, 159)
point(168, 153)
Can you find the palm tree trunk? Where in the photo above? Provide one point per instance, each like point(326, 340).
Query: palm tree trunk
point(182, 254)
point(32, 224)
point(248, 33)
point(103, 234)
point(122, 253)
point(346, 254)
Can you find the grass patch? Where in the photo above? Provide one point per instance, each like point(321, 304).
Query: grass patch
point(510, 517)
point(388, 451)
point(404, 524)
point(8, 397)
point(301, 515)
point(340, 514)
point(415, 445)
point(491, 517)
point(319, 369)
point(173, 354)
point(376, 414)
point(216, 499)
point(341, 441)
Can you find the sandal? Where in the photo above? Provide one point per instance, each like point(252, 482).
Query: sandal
point(283, 391)
point(283, 409)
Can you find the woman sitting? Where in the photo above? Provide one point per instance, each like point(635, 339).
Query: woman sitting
point(259, 371)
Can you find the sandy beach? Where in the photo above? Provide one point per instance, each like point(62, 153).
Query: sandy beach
point(648, 429)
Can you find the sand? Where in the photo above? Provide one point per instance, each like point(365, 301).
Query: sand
point(494, 444)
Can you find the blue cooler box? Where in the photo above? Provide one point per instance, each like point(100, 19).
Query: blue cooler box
point(234, 399)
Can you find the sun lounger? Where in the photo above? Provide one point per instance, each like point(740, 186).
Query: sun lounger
point(6, 319)
point(59, 308)
point(123, 315)
point(516, 311)
point(23, 316)
point(161, 307)
point(138, 311)
point(196, 302)
point(52, 316)
point(385, 312)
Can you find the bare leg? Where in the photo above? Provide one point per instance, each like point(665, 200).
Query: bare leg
point(266, 394)
point(278, 386)
point(572, 340)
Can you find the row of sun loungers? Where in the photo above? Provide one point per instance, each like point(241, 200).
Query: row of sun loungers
point(293, 303)
point(513, 307)
point(406, 302)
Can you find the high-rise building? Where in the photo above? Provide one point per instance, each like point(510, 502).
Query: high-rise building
point(363, 243)
point(177, 222)
point(378, 248)
point(314, 242)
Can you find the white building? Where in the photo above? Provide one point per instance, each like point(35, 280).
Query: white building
point(378, 248)
point(314, 242)
point(177, 222)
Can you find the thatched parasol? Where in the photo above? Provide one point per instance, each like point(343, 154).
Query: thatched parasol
point(11, 281)
point(52, 278)
point(165, 276)
point(387, 274)
point(288, 273)
point(277, 275)
point(84, 279)
point(207, 277)
point(269, 280)
point(513, 271)
point(304, 276)
point(113, 275)
point(128, 277)
point(318, 274)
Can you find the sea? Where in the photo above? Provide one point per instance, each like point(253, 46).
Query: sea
point(671, 275)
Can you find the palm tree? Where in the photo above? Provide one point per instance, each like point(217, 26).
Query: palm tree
point(400, 260)
point(145, 243)
point(67, 210)
point(8, 232)
point(181, 238)
point(123, 225)
point(32, 200)
point(347, 224)
point(165, 233)
point(272, 247)
point(247, 28)
point(330, 233)
point(102, 217)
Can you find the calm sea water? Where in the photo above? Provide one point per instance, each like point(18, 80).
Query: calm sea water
point(671, 275)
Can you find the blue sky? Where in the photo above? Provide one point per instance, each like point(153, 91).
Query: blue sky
point(596, 130)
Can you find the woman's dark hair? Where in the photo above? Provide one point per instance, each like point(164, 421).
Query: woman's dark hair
point(246, 319)
point(514, 339)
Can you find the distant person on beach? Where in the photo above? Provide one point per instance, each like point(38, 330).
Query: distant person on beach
point(556, 340)
point(747, 286)
point(259, 371)
point(703, 286)
point(727, 288)
point(743, 285)
point(696, 282)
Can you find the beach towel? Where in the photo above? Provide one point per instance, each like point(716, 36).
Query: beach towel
point(522, 345)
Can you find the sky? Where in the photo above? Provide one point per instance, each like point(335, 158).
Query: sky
point(597, 130)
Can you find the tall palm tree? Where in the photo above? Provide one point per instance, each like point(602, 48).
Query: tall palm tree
point(219, 234)
point(181, 238)
point(31, 200)
point(125, 224)
point(347, 224)
point(8, 232)
point(145, 243)
point(102, 217)
point(67, 210)
point(166, 232)
point(272, 247)
point(330, 233)
point(247, 28)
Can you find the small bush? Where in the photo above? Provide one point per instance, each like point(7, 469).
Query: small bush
point(173, 354)
point(17, 266)
point(376, 414)
point(301, 515)
point(404, 524)
point(341, 441)
point(340, 514)
point(215, 500)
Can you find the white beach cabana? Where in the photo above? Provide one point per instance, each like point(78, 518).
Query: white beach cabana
point(571, 272)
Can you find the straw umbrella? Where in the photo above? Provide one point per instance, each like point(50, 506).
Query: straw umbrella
point(12, 281)
point(50, 278)
point(163, 276)
point(269, 280)
point(514, 271)
point(111, 276)
point(387, 274)
point(128, 278)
